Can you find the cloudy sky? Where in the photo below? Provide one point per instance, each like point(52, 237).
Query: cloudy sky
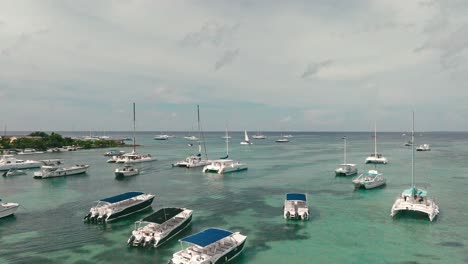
point(315, 65)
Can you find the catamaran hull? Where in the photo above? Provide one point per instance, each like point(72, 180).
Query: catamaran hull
point(130, 210)
point(376, 161)
point(8, 211)
point(401, 205)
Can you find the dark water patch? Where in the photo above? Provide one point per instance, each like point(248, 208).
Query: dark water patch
point(432, 257)
point(451, 244)
point(409, 262)
point(83, 262)
point(460, 177)
point(81, 251)
point(34, 260)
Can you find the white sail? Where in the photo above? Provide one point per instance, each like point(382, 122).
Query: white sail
point(246, 137)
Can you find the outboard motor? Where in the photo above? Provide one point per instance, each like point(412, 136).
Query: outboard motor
point(131, 239)
point(103, 219)
point(86, 218)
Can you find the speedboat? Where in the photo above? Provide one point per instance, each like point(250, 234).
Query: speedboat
point(9, 162)
point(114, 159)
point(55, 168)
point(415, 199)
point(210, 246)
point(409, 143)
point(295, 207)
point(192, 161)
point(29, 151)
point(376, 158)
point(258, 136)
point(157, 228)
point(224, 166)
point(114, 152)
point(246, 139)
point(13, 172)
point(346, 169)
point(282, 140)
point(118, 206)
point(369, 180)
point(126, 171)
point(7, 209)
point(423, 147)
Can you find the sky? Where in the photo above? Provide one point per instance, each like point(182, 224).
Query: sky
point(310, 65)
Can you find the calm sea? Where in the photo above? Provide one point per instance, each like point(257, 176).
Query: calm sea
point(346, 226)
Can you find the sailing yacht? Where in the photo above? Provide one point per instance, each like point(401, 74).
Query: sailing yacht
point(376, 158)
point(346, 169)
point(259, 136)
point(195, 160)
point(415, 199)
point(246, 139)
point(226, 136)
point(225, 165)
point(134, 157)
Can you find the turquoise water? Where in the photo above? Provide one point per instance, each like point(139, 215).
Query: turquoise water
point(346, 226)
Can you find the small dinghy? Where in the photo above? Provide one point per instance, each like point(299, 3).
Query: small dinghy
point(157, 228)
point(118, 206)
point(210, 246)
point(295, 207)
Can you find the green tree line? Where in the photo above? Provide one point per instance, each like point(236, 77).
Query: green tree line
point(43, 141)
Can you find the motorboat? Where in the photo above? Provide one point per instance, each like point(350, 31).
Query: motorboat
point(7, 209)
point(224, 166)
point(126, 171)
point(295, 207)
point(288, 136)
point(369, 180)
point(29, 151)
point(376, 158)
point(212, 245)
point(409, 143)
point(8, 162)
point(246, 139)
point(13, 172)
point(159, 227)
point(68, 148)
point(195, 160)
point(423, 147)
point(114, 159)
point(191, 138)
point(133, 157)
point(53, 150)
point(114, 152)
point(415, 199)
point(282, 140)
point(161, 137)
point(118, 206)
point(55, 168)
point(346, 169)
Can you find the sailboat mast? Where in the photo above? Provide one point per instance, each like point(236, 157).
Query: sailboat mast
point(227, 143)
point(344, 150)
point(375, 138)
point(134, 127)
point(412, 158)
point(199, 131)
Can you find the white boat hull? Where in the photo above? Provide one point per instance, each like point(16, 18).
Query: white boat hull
point(373, 160)
point(126, 173)
point(428, 207)
point(26, 165)
point(368, 185)
point(225, 169)
point(7, 209)
point(66, 171)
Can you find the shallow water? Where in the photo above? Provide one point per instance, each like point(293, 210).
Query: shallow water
point(346, 226)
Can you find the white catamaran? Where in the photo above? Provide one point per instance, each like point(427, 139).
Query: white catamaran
point(376, 158)
point(415, 199)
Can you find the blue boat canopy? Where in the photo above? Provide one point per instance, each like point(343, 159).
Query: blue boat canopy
point(206, 237)
point(121, 197)
point(415, 191)
point(295, 197)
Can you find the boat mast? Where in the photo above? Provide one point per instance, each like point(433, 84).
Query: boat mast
point(344, 150)
point(412, 159)
point(199, 131)
point(227, 143)
point(134, 141)
point(375, 138)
